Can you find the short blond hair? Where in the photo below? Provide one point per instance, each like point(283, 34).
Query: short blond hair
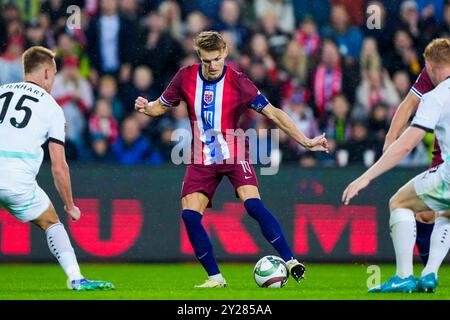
point(209, 41)
point(35, 57)
point(438, 51)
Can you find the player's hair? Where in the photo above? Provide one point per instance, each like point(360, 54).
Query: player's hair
point(438, 51)
point(209, 41)
point(36, 56)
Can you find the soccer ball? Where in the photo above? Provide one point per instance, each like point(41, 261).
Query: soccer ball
point(271, 272)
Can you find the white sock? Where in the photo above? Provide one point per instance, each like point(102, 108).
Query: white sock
point(217, 277)
point(439, 245)
point(59, 244)
point(403, 233)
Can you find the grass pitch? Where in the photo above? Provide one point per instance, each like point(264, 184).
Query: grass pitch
point(176, 281)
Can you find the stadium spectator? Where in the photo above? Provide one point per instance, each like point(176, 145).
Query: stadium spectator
point(348, 37)
point(99, 149)
point(67, 45)
point(56, 11)
point(35, 34)
point(444, 27)
point(132, 148)
point(337, 126)
point(376, 87)
point(370, 58)
point(107, 90)
point(196, 22)
point(171, 13)
point(161, 52)
point(355, 9)
point(411, 22)
point(318, 9)
point(75, 95)
point(359, 147)
point(129, 9)
point(402, 83)
point(282, 13)
point(276, 38)
point(11, 61)
point(327, 80)
point(302, 115)
point(230, 20)
point(372, 28)
point(308, 37)
point(102, 122)
point(142, 85)
point(111, 43)
point(403, 56)
point(378, 126)
point(295, 61)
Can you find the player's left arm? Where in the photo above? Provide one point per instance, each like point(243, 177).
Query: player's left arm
point(285, 123)
point(394, 154)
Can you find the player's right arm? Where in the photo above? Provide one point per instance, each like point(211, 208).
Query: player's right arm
point(153, 109)
point(170, 98)
point(400, 119)
point(61, 177)
point(60, 168)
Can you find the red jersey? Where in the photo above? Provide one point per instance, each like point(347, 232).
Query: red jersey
point(214, 109)
point(423, 85)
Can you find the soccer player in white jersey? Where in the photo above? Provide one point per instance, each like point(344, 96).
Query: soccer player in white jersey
point(428, 190)
point(29, 116)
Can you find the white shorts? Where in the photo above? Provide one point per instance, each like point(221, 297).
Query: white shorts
point(24, 205)
point(433, 189)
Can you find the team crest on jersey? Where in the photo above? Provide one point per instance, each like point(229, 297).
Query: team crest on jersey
point(208, 96)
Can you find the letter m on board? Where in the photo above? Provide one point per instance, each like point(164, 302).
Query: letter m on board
point(327, 223)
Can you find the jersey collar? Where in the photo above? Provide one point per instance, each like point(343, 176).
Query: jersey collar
point(213, 81)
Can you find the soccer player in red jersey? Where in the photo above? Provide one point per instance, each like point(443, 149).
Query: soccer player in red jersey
point(216, 97)
point(424, 220)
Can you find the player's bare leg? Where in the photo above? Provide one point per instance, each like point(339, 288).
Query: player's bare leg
point(59, 244)
point(270, 227)
point(194, 205)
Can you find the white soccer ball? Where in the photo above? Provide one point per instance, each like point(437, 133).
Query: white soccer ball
point(271, 272)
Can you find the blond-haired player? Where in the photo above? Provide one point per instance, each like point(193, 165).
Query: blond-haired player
point(29, 117)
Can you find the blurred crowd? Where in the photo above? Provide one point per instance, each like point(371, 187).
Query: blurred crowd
point(319, 60)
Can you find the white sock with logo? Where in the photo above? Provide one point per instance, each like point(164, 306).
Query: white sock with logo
point(59, 244)
point(403, 233)
point(439, 245)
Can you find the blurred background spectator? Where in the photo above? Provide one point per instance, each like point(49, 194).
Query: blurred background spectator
point(316, 59)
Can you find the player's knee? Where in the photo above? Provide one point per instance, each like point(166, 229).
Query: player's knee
point(190, 216)
point(394, 202)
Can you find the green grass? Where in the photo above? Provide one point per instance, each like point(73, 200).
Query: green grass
point(176, 281)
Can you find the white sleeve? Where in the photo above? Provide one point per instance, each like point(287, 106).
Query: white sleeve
point(57, 132)
point(428, 113)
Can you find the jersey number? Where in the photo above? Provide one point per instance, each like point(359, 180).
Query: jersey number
point(19, 107)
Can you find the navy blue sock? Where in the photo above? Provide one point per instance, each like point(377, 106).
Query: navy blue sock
point(200, 241)
point(270, 227)
point(424, 231)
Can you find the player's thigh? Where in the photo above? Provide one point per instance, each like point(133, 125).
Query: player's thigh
point(246, 192)
point(48, 218)
point(244, 180)
point(406, 197)
point(26, 203)
point(196, 201)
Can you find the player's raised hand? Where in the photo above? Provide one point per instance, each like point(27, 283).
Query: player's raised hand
point(74, 212)
point(319, 143)
point(353, 188)
point(140, 104)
